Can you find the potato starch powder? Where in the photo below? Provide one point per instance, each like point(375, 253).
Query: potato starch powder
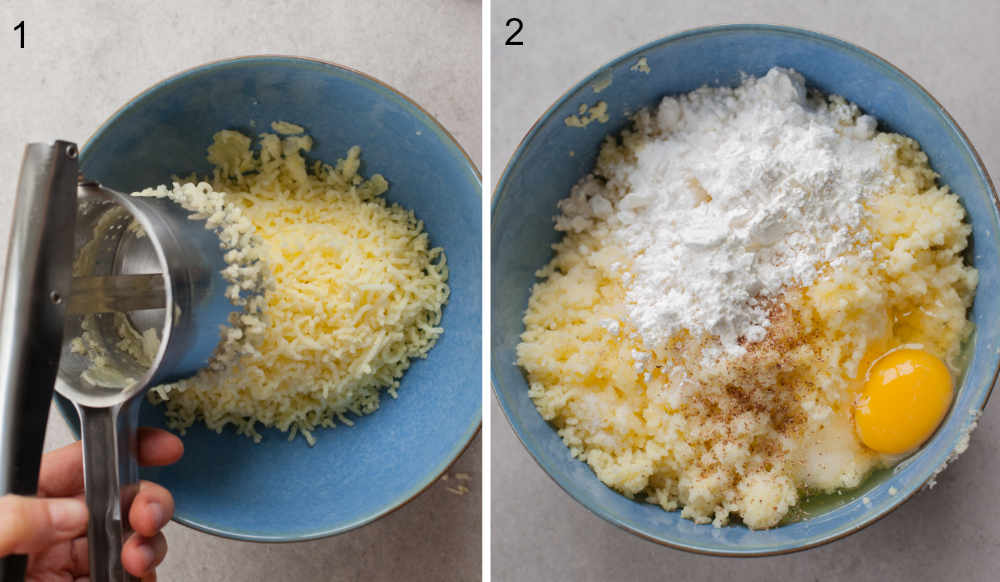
point(733, 195)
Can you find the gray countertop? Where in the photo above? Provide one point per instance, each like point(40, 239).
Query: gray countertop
point(83, 60)
point(949, 533)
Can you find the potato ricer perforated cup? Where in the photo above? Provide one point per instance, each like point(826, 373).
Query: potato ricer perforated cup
point(88, 268)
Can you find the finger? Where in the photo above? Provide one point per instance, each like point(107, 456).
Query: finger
point(79, 557)
point(32, 524)
point(61, 474)
point(151, 510)
point(140, 555)
point(158, 447)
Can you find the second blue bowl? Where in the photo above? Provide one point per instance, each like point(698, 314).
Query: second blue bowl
point(553, 157)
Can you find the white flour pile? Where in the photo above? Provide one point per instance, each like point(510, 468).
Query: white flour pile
point(736, 194)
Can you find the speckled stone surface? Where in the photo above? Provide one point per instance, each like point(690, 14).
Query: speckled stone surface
point(84, 60)
point(949, 533)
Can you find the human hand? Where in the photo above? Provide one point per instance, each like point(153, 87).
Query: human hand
point(52, 528)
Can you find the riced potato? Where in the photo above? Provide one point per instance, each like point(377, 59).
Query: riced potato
point(746, 436)
point(355, 292)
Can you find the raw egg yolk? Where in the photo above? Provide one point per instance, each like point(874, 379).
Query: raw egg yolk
point(905, 397)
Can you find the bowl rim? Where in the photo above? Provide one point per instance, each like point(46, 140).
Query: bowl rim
point(471, 431)
point(497, 198)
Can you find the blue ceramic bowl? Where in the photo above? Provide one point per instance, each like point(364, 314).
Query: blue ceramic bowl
point(279, 490)
point(542, 171)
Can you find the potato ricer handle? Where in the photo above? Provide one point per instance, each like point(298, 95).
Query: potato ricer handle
point(111, 477)
point(33, 311)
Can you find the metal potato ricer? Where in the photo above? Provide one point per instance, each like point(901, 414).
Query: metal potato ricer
point(105, 295)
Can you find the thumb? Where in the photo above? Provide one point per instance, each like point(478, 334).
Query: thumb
point(32, 524)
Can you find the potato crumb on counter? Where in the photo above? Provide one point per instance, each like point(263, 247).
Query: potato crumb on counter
point(460, 490)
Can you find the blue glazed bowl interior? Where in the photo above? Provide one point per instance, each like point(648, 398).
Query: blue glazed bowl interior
point(542, 171)
point(279, 490)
